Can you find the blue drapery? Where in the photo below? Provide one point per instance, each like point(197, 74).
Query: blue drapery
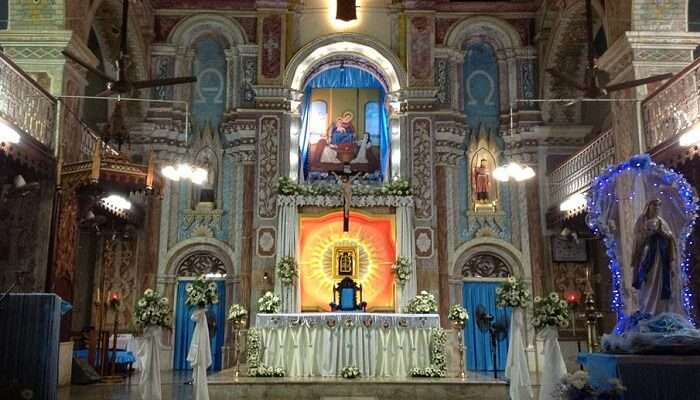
point(479, 356)
point(184, 327)
point(338, 78)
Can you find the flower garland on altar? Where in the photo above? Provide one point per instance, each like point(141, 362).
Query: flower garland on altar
point(402, 270)
point(422, 303)
point(269, 303)
point(397, 187)
point(438, 357)
point(201, 292)
point(350, 372)
point(152, 310)
point(513, 293)
point(458, 314)
point(253, 349)
point(550, 311)
point(237, 314)
point(287, 270)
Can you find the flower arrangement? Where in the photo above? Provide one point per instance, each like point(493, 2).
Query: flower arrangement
point(550, 311)
point(402, 270)
point(287, 270)
point(253, 349)
point(576, 386)
point(438, 358)
point(513, 293)
point(350, 372)
point(152, 310)
point(269, 303)
point(264, 371)
point(397, 187)
point(423, 303)
point(458, 314)
point(201, 293)
point(237, 313)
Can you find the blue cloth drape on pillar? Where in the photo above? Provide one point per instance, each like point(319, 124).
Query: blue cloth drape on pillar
point(346, 77)
point(184, 327)
point(479, 356)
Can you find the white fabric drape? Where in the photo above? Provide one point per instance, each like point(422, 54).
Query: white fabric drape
point(553, 369)
point(287, 233)
point(517, 371)
point(405, 248)
point(320, 350)
point(199, 355)
point(149, 356)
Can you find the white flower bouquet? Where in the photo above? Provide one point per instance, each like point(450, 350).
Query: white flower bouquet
point(550, 311)
point(423, 303)
point(513, 293)
point(577, 386)
point(269, 303)
point(264, 371)
point(201, 292)
point(402, 270)
point(458, 314)
point(350, 372)
point(152, 310)
point(287, 270)
point(237, 313)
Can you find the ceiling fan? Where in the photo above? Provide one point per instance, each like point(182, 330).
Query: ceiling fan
point(593, 86)
point(122, 84)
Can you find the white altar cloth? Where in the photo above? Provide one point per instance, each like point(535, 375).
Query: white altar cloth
point(322, 344)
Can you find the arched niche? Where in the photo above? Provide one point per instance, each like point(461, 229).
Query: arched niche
point(513, 57)
point(504, 253)
point(199, 245)
point(358, 49)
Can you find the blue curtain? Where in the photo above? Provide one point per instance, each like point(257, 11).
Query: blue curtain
point(347, 77)
point(479, 355)
point(184, 327)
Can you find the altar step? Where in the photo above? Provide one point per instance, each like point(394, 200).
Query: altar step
point(474, 387)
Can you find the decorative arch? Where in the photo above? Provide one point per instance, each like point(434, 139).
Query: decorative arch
point(189, 30)
point(199, 245)
point(495, 31)
point(497, 249)
point(314, 53)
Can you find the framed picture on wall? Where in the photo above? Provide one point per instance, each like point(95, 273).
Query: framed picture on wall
point(569, 251)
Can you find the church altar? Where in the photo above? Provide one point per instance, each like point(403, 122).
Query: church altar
point(322, 344)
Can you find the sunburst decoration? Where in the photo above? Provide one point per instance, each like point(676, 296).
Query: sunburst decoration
point(372, 236)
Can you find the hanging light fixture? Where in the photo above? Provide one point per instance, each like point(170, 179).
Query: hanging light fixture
point(514, 171)
point(184, 169)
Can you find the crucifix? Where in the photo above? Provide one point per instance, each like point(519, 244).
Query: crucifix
point(270, 45)
point(346, 182)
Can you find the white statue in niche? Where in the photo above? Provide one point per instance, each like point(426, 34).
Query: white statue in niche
point(654, 262)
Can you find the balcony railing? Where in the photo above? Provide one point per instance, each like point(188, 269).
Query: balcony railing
point(673, 107)
point(577, 173)
point(25, 104)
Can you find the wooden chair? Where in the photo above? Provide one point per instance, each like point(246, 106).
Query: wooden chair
point(346, 298)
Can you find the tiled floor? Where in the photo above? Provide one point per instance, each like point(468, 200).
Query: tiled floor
point(224, 387)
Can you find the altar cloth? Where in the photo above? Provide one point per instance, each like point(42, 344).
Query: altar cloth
point(322, 344)
point(646, 377)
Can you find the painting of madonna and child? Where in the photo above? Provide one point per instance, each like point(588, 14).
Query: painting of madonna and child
point(344, 133)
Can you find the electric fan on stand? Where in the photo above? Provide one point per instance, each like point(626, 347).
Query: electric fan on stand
point(497, 330)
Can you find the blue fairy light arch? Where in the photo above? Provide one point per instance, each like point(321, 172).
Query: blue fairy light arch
point(664, 183)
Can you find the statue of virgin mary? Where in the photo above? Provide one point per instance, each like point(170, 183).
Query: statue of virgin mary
point(654, 262)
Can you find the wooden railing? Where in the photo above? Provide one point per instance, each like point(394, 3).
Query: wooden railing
point(673, 107)
point(577, 173)
point(25, 104)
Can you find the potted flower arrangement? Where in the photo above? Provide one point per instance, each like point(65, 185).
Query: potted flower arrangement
point(201, 293)
point(287, 270)
point(152, 310)
point(237, 314)
point(402, 270)
point(269, 303)
point(513, 293)
point(458, 315)
point(350, 372)
point(423, 303)
point(576, 386)
point(550, 311)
